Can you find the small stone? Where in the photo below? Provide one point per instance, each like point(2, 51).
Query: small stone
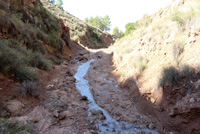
point(142, 126)
point(15, 107)
point(103, 117)
point(84, 98)
point(192, 100)
point(50, 86)
point(123, 127)
point(69, 73)
point(152, 126)
point(173, 112)
point(94, 67)
point(153, 100)
point(118, 119)
point(104, 124)
point(62, 116)
point(35, 120)
point(64, 66)
point(96, 112)
point(67, 89)
point(55, 114)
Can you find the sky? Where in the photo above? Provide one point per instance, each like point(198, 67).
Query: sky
point(120, 12)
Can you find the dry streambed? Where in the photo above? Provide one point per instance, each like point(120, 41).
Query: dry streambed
point(99, 116)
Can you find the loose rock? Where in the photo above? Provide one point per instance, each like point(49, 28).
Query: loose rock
point(62, 116)
point(55, 114)
point(152, 126)
point(84, 98)
point(35, 120)
point(15, 107)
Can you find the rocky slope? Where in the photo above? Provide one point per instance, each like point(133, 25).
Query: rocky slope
point(80, 31)
point(30, 36)
point(33, 44)
point(162, 56)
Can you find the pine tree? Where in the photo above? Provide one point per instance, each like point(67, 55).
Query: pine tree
point(59, 3)
point(103, 23)
point(52, 1)
point(106, 23)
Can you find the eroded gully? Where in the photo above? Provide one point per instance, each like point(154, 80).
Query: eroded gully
point(107, 124)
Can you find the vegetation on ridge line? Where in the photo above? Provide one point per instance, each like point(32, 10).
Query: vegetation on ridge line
point(102, 23)
point(80, 31)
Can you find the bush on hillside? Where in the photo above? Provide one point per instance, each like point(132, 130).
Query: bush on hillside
point(130, 27)
point(37, 60)
point(173, 75)
point(19, 60)
point(24, 73)
point(13, 127)
point(181, 16)
point(31, 88)
point(95, 34)
point(169, 75)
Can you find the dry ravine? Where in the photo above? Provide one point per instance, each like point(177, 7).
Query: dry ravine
point(102, 119)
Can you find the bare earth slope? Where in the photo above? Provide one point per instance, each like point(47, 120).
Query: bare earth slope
point(162, 54)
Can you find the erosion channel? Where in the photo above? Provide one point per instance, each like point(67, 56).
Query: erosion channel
point(107, 124)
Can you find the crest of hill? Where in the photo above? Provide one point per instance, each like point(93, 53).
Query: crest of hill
point(80, 31)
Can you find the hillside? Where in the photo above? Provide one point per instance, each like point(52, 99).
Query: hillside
point(80, 31)
point(30, 36)
point(162, 56)
point(37, 47)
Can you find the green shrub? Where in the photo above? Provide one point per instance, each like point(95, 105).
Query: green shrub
point(169, 75)
point(173, 75)
point(182, 16)
point(13, 127)
point(95, 34)
point(24, 73)
point(16, 59)
point(53, 35)
point(38, 60)
point(10, 58)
